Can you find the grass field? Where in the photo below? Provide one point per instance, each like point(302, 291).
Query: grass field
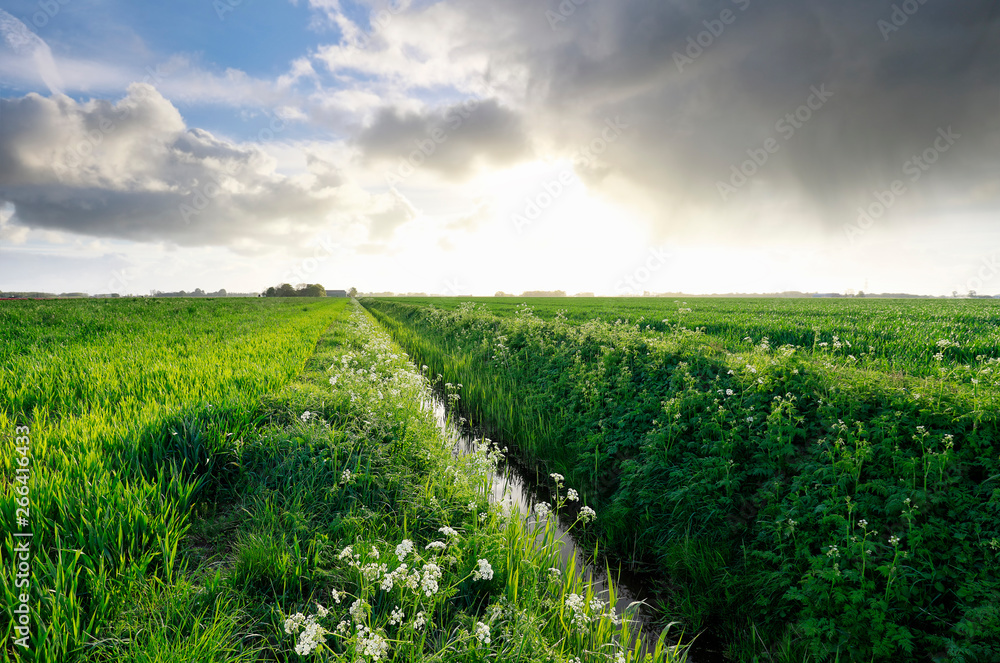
point(811, 480)
point(258, 480)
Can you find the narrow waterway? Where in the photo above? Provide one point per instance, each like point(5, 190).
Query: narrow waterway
point(514, 483)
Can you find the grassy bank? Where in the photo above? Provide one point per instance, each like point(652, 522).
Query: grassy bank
point(802, 501)
point(226, 481)
point(125, 407)
point(349, 516)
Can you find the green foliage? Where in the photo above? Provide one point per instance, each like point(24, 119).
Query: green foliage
point(813, 479)
point(130, 404)
point(306, 290)
point(189, 494)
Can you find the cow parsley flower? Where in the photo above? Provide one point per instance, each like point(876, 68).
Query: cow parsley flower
point(294, 623)
point(311, 637)
point(419, 621)
point(542, 510)
point(429, 583)
point(436, 545)
point(372, 644)
point(572, 495)
point(587, 514)
point(484, 572)
point(357, 611)
point(577, 607)
point(482, 633)
point(404, 549)
point(447, 531)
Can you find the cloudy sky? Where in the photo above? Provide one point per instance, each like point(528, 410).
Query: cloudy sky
point(470, 146)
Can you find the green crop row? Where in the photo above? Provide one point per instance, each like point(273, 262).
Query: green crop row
point(800, 504)
point(122, 409)
point(223, 481)
point(892, 335)
point(349, 530)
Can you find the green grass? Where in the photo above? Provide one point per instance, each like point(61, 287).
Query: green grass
point(129, 404)
point(738, 469)
point(904, 339)
point(301, 522)
point(198, 469)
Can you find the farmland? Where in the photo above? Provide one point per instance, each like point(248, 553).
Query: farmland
point(255, 480)
point(808, 480)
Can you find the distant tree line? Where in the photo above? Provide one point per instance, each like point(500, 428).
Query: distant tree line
point(304, 290)
point(197, 292)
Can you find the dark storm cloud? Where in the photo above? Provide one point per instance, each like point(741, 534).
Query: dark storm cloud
point(450, 141)
point(701, 83)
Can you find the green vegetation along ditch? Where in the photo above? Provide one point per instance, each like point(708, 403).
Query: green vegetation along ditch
point(824, 487)
point(257, 480)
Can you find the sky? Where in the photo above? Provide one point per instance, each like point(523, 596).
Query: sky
point(465, 147)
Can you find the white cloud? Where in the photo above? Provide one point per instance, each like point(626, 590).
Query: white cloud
point(133, 170)
point(23, 47)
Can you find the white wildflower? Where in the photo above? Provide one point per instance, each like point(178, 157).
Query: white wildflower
point(294, 623)
point(484, 572)
point(404, 549)
point(587, 514)
point(429, 582)
point(483, 633)
point(572, 495)
point(358, 611)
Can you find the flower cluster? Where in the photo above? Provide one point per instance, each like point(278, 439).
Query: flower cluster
point(484, 571)
point(311, 634)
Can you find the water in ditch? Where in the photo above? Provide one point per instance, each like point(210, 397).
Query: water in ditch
point(517, 484)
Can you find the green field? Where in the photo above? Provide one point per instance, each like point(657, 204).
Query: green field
point(250, 480)
point(806, 479)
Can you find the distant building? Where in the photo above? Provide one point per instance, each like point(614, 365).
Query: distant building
point(336, 293)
